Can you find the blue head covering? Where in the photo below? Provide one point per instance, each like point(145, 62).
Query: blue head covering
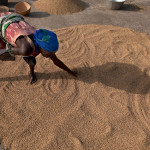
point(46, 39)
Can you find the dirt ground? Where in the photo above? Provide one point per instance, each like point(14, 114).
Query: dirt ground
point(135, 14)
point(129, 16)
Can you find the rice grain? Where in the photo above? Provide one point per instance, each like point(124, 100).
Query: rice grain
point(59, 6)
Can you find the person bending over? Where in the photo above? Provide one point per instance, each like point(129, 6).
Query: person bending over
point(23, 39)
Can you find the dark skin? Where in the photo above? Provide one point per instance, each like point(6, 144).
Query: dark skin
point(23, 48)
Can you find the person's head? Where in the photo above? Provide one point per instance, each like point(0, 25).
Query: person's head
point(47, 41)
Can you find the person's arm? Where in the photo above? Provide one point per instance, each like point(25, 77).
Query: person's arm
point(23, 50)
point(61, 65)
point(31, 61)
point(19, 51)
point(23, 47)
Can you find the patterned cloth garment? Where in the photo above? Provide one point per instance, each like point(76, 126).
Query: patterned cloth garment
point(16, 29)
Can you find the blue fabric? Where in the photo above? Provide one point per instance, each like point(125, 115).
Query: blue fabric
point(37, 48)
point(46, 39)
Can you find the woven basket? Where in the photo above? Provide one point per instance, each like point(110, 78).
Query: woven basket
point(3, 9)
point(22, 8)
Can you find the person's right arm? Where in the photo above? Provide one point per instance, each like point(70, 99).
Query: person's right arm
point(21, 51)
point(23, 47)
point(61, 65)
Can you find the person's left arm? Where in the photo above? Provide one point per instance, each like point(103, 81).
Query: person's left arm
point(61, 65)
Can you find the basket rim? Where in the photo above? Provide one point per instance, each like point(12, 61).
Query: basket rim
point(2, 6)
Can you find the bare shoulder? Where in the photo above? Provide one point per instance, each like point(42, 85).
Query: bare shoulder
point(22, 43)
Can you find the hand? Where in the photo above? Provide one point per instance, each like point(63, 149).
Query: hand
point(73, 73)
point(8, 49)
point(147, 71)
point(6, 57)
point(33, 79)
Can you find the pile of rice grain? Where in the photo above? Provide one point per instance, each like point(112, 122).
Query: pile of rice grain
point(59, 6)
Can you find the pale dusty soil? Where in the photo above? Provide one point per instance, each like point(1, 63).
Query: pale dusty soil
point(106, 107)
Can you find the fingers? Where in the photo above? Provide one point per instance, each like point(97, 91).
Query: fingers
point(75, 74)
point(147, 71)
point(33, 80)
